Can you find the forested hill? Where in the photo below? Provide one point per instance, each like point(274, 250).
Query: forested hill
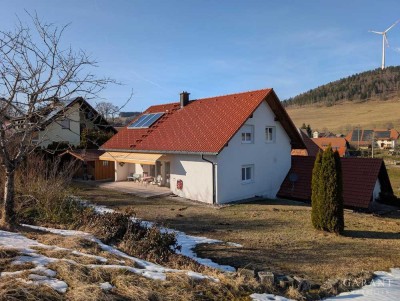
point(375, 84)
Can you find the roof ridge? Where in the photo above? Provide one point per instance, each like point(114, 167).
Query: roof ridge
point(215, 96)
point(232, 94)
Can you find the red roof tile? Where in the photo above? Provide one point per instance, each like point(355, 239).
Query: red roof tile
point(204, 125)
point(359, 178)
point(339, 144)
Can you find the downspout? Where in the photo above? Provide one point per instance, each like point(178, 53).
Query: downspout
point(214, 201)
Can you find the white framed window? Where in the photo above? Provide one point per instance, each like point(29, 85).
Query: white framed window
point(248, 134)
point(105, 163)
point(65, 123)
point(270, 134)
point(247, 173)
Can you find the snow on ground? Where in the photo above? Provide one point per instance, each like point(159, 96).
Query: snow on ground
point(24, 245)
point(106, 286)
point(187, 242)
point(40, 274)
point(54, 283)
point(147, 269)
point(384, 287)
point(268, 297)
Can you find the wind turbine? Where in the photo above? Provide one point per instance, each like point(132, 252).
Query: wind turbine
point(384, 40)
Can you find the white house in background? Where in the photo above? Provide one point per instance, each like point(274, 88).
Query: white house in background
point(66, 123)
point(215, 150)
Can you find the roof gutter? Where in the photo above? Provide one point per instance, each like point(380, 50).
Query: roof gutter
point(213, 166)
point(158, 151)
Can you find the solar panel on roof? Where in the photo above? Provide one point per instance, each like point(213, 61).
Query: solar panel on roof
point(356, 135)
point(382, 134)
point(153, 118)
point(367, 135)
point(137, 121)
point(145, 121)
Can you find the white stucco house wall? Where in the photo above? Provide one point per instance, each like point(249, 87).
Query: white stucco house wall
point(214, 150)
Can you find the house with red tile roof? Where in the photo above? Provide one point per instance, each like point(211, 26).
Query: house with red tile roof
point(383, 138)
point(338, 144)
point(365, 181)
point(215, 150)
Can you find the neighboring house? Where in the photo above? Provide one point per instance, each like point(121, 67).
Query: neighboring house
point(338, 144)
point(215, 150)
point(311, 149)
point(317, 134)
point(66, 123)
point(384, 139)
point(365, 181)
point(91, 168)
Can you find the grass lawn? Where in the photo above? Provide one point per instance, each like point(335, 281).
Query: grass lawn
point(276, 235)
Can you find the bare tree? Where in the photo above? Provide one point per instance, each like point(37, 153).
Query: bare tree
point(107, 110)
point(37, 76)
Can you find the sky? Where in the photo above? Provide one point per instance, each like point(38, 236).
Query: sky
point(158, 49)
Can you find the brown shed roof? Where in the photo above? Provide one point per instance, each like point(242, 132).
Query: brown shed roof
point(359, 178)
point(84, 154)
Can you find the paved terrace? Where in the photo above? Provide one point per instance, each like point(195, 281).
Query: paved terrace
point(142, 190)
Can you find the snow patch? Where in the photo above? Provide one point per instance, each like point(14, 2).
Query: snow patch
point(146, 268)
point(268, 297)
point(187, 242)
point(384, 287)
point(57, 285)
point(106, 286)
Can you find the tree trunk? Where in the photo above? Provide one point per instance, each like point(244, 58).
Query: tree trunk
point(7, 212)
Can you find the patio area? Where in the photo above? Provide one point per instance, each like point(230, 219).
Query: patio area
point(142, 190)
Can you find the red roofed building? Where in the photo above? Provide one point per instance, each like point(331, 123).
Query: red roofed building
point(383, 138)
point(364, 180)
point(216, 150)
point(338, 144)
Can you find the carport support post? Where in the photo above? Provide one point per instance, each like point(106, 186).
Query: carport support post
point(213, 165)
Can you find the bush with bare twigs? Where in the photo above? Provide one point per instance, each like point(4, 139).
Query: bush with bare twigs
point(43, 194)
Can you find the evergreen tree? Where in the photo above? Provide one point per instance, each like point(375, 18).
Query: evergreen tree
point(327, 193)
point(315, 193)
point(339, 202)
point(309, 131)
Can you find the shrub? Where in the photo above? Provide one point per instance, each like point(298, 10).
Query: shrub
point(315, 193)
point(42, 192)
point(109, 227)
point(327, 193)
point(149, 243)
point(131, 236)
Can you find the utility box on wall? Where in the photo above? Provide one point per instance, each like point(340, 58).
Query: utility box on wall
point(179, 184)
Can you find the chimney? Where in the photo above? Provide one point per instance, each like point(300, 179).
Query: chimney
point(184, 99)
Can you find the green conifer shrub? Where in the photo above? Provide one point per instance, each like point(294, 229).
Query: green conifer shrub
point(327, 193)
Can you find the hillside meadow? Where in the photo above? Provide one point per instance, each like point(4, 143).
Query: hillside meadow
point(343, 117)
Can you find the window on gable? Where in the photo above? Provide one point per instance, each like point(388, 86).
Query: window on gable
point(270, 134)
point(65, 123)
point(248, 134)
point(247, 173)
